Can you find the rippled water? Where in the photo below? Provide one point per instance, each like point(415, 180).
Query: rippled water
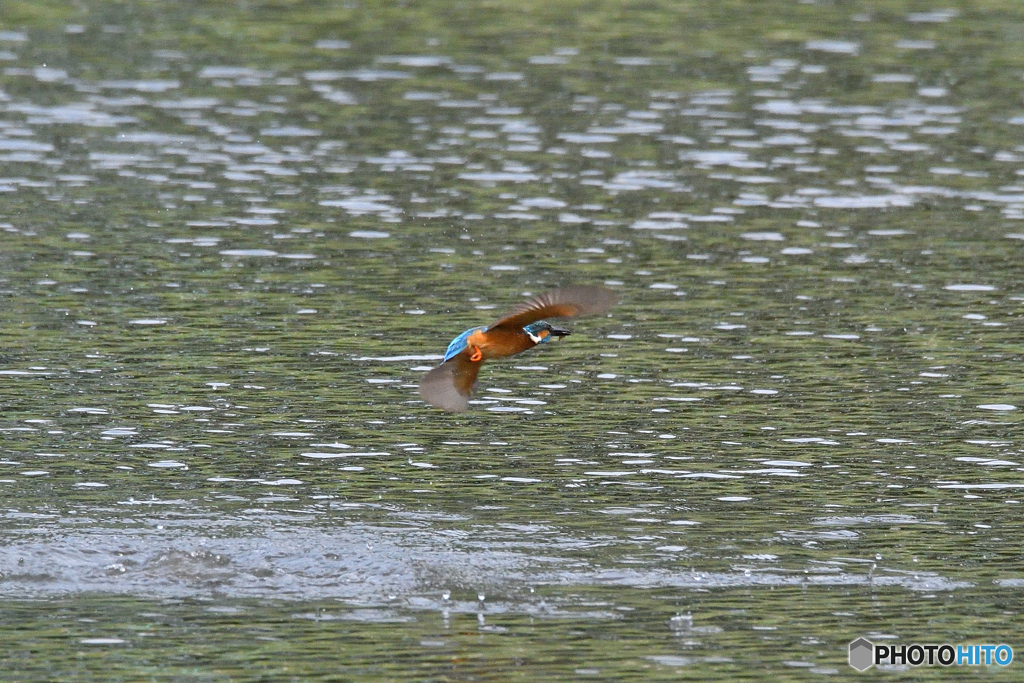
point(233, 239)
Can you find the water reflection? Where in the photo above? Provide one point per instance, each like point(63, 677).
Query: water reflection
point(168, 555)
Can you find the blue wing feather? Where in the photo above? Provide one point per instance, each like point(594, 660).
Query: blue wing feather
point(458, 344)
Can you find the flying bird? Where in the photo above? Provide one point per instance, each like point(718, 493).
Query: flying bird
point(449, 385)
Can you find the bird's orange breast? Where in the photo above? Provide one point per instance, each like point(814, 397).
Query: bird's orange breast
point(499, 343)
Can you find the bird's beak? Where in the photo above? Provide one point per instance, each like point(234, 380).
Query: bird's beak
point(559, 332)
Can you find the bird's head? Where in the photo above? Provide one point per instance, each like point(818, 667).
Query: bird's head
point(541, 332)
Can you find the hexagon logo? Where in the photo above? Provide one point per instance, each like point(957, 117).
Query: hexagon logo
point(862, 654)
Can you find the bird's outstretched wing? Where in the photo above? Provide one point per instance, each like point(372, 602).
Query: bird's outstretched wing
point(449, 385)
point(559, 303)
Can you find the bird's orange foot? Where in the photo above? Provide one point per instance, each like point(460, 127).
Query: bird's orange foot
point(477, 354)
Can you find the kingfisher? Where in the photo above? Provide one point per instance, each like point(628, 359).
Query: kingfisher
point(449, 385)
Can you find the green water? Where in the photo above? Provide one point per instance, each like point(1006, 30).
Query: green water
point(234, 237)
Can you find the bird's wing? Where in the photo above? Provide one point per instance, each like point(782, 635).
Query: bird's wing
point(458, 345)
point(559, 303)
point(449, 385)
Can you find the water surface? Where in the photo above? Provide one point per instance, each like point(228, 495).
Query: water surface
point(233, 239)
